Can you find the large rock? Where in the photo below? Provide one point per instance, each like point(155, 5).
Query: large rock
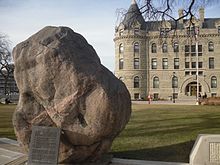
point(63, 84)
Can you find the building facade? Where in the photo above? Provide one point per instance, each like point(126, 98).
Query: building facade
point(151, 60)
point(8, 88)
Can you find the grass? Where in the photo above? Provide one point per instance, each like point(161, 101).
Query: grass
point(165, 132)
point(154, 132)
point(6, 127)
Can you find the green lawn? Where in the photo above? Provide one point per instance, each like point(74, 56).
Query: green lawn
point(155, 132)
point(165, 132)
point(6, 127)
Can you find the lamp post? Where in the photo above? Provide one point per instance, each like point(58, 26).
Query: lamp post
point(173, 84)
point(197, 65)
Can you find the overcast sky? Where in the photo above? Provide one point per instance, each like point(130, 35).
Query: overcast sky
point(94, 19)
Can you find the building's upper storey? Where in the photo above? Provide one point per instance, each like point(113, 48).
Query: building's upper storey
point(134, 23)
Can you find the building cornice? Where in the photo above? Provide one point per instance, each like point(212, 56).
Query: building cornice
point(158, 36)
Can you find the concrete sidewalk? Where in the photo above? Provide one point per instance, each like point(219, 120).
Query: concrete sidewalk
point(10, 154)
point(177, 102)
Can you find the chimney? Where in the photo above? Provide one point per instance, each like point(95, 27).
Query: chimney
point(201, 14)
point(180, 11)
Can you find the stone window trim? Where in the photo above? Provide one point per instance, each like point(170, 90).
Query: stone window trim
point(121, 48)
point(165, 63)
point(176, 63)
point(211, 63)
point(213, 82)
point(175, 47)
point(154, 63)
point(136, 47)
point(164, 47)
point(156, 82)
point(121, 63)
point(154, 48)
point(136, 63)
point(136, 82)
point(211, 46)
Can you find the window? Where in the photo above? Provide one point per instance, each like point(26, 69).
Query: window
point(213, 94)
point(121, 32)
point(176, 47)
point(176, 63)
point(193, 73)
point(193, 50)
point(156, 82)
point(136, 47)
point(136, 31)
point(136, 82)
point(200, 64)
point(154, 63)
point(165, 63)
point(136, 63)
point(193, 64)
point(174, 82)
point(162, 32)
point(154, 48)
point(186, 50)
point(211, 46)
point(211, 63)
point(186, 64)
point(164, 48)
point(156, 96)
point(121, 63)
point(187, 73)
point(200, 73)
point(218, 29)
point(213, 82)
point(121, 48)
point(200, 50)
point(136, 96)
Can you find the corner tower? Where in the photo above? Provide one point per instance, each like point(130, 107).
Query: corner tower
point(131, 52)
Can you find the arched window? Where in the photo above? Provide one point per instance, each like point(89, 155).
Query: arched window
point(136, 82)
point(213, 82)
point(136, 47)
point(121, 48)
point(164, 48)
point(153, 48)
point(121, 63)
point(174, 82)
point(176, 47)
point(211, 46)
point(156, 82)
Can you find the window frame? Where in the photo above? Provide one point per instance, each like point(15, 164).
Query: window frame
point(156, 82)
point(136, 82)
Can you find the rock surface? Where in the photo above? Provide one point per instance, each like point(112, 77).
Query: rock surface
point(63, 84)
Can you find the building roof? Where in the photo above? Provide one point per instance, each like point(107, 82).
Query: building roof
point(209, 23)
point(134, 15)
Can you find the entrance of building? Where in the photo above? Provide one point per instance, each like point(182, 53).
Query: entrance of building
point(191, 89)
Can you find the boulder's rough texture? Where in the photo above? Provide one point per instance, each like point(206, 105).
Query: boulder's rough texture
point(63, 84)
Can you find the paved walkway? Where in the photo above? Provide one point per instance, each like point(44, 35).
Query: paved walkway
point(10, 154)
point(177, 102)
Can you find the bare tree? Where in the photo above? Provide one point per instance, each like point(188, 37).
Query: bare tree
point(165, 9)
point(6, 68)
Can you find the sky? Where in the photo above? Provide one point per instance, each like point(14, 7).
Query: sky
point(94, 19)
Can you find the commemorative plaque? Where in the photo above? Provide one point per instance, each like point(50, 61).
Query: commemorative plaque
point(44, 146)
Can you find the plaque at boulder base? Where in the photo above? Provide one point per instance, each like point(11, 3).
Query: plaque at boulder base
point(44, 146)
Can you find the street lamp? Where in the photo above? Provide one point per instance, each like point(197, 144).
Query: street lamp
point(197, 65)
point(174, 86)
